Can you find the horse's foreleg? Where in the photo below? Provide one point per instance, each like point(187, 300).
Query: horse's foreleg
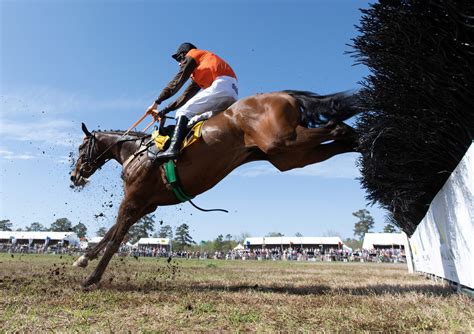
point(128, 214)
point(92, 254)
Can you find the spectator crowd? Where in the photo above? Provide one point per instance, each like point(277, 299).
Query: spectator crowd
point(255, 254)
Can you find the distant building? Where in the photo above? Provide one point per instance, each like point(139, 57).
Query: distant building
point(155, 243)
point(321, 243)
point(384, 240)
point(44, 238)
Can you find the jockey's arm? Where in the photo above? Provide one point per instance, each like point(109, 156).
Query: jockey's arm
point(186, 69)
point(188, 93)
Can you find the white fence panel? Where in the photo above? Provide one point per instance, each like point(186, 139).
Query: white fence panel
point(443, 243)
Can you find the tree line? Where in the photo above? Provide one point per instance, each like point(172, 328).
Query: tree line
point(59, 225)
point(181, 237)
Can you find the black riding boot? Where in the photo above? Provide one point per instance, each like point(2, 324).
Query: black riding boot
point(178, 136)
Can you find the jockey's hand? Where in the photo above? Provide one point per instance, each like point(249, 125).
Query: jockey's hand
point(158, 115)
point(153, 109)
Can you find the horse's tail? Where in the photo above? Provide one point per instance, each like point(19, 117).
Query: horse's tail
point(317, 110)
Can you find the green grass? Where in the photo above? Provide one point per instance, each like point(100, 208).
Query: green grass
point(42, 293)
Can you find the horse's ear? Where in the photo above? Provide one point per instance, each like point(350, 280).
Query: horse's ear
point(87, 132)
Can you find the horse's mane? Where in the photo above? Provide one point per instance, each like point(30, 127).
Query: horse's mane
point(121, 132)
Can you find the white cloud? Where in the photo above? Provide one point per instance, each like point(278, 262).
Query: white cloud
point(9, 155)
point(341, 166)
point(48, 101)
point(45, 115)
point(56, 132)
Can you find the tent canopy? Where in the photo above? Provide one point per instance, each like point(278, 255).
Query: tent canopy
point(70, 237)
point(384, 239)
point(297, 241)
point(153, 241)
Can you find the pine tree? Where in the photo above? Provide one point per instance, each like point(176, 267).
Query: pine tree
point(165, 232)
point(365, 223)
point(80, 229)
point(101, 232)
point(36, 227)
point(182, 237)
point(275, 234)
point(219, 242)
point(389, 228)
point(61, 225)
point(5, 225)
point(142, 228)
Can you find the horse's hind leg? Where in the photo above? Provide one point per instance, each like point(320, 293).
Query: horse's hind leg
point(301, 158)
point(300, 139)
point(92, 254)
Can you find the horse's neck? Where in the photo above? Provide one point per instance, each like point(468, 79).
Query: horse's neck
point(118, 151)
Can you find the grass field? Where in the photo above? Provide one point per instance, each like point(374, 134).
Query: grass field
point(41, 293)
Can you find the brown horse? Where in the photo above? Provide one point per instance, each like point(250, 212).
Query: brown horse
point(272, 127)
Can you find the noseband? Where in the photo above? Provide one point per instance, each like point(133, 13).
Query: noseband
point(88, 156)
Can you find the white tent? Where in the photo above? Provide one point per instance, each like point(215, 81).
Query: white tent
point(292, 241)
point(386, 240)
point(91, 242)
point(25, 237)
point(239, 247)
point(347, 248)
point(95, 240)
point(153, 242)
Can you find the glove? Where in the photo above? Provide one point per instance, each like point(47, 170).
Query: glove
point(162, 113)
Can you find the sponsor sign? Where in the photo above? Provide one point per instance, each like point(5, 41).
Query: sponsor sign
point(443, 243)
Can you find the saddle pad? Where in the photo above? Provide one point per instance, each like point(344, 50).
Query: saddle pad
point(160, 140)
point(192, 136)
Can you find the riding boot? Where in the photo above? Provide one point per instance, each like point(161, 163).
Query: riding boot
point(176, 140)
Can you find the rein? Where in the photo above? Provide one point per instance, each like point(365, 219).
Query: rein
point(91, 162)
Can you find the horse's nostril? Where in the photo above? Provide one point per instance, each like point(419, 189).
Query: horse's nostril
point(72, 177)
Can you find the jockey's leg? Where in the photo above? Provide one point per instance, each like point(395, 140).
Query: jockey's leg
point(221, 91)
point(176, 140)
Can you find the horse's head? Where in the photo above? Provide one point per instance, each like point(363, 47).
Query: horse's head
point(88, 161)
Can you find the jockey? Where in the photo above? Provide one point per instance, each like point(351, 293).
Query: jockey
point(213, 85)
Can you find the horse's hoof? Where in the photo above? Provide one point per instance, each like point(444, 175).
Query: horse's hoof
point(89, 282)
point(81, 262)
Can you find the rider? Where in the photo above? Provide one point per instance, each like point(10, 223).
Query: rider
point(213, 83)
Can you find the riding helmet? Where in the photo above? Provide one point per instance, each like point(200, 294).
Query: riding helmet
point(182, 50)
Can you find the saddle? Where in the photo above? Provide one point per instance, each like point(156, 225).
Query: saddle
point(160, 138)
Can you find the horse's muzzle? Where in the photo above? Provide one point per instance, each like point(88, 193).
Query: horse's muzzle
point(78, 180)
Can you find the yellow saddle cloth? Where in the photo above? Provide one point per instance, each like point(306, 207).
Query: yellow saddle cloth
point(193, 135)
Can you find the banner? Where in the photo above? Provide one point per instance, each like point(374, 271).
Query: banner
point(443, 243)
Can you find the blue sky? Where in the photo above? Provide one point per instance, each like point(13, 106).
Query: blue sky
point(104, 62)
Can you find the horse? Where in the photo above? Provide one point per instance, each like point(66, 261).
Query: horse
point(277, 127)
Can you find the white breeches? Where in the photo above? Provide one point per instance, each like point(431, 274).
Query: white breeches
point(223, 91)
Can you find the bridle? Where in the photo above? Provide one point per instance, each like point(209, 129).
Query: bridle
point(92, 163)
